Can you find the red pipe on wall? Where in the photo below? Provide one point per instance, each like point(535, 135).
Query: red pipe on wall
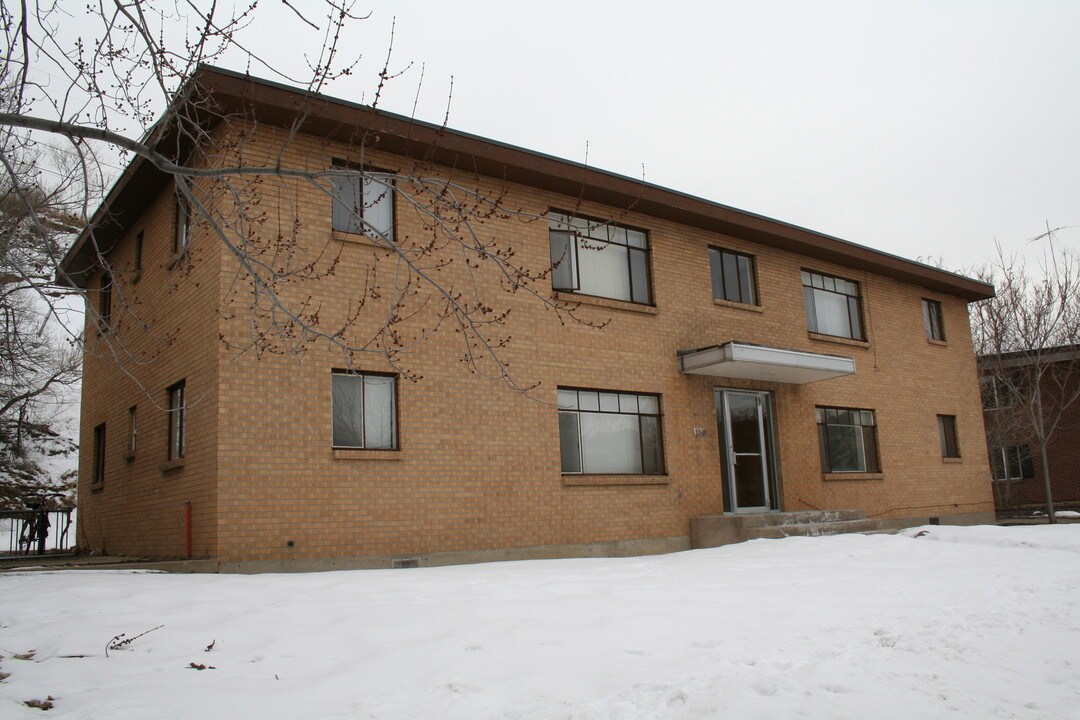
point(187, 529)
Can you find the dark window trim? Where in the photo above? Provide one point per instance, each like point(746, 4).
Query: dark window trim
point(1024, 458)
point(659, 415)
point(105, 300)
point(338, 162)
point(933, 311)
point(754, 300)
point(133, 431)
point(397, 410)
point(98, 478)
point(811, 309)
point(647, 250)
point(177, 421)
point(948, 436)
point(181, 225)
point(823, 448)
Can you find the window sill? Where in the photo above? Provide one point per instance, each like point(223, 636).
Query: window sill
point(602, 480)
point(359, 454)
point(839, 340)
point(136, 276)
point(736, 305)
point(852, 476)
point(97, 487)
point(571, 297)
point(952, 460)
point(939, 343)
point(357, 239)
point(176, 260)
point(129, 456)
point(174, 464)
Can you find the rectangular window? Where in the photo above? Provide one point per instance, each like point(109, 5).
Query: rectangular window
point(177, 412)
point(947, 435)
point(997, 393)
point(1012, 462)
point(732, 276)
point(363, 202)
point(598, 258)
point(610, 433)
point(847, 440)
point(931, 316)
point(138, 251)
point(99, 456)
point(182, 236)
point(832, 306)
point(364, 410)
point(105, 300)
point(132, 430)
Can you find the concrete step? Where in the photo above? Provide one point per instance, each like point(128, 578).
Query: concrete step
point(801, 517)
point(813, 529)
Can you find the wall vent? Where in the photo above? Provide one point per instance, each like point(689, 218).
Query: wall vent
point(400, 563)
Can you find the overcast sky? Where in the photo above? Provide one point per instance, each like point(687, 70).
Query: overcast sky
point(924, 129)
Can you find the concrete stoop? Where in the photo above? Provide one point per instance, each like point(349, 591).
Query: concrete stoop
point(715, 530)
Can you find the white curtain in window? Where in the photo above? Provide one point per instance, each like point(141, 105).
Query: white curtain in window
point(603, 269)
point(610, 443)
point(379, 207)
point(378, 412)
point(831, 311)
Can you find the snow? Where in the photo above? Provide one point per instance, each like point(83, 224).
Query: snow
point(1067, 514)
point(937, 622)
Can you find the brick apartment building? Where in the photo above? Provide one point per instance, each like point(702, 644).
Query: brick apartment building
point(746, 366)
point(1015, 462)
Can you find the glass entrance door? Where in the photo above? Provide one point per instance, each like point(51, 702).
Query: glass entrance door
point(743, 419)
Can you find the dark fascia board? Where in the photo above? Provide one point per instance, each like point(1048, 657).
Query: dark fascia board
point(1019, 358)
point(279, 105)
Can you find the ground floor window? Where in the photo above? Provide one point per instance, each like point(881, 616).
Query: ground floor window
point(1012, 462)
point(98, 478)
point(610, 432)
point(364, 411)
point(848, 440)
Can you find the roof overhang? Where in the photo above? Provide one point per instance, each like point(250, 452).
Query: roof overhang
point(213, 95)
point(757, 362)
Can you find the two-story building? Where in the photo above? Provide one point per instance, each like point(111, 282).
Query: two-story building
point(723, 364)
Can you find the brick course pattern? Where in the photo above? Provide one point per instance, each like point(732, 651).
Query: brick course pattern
point(479, 465)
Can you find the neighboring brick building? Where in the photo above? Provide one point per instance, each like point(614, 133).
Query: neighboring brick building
point(747, 365)
point(1015, 461)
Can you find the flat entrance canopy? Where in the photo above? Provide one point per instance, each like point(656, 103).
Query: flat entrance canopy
point(757, 362)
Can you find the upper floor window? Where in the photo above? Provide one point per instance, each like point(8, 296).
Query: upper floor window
point(732, 276)
point(832, 306)
point(363, 202)
point(132, 430)
point(997, 392)
point(598, 258)
point(177, 421)
point(847, 440)
point(364, 410)
point(950, 447)
point(932, 322)
point(98, 477)
point(610, 432)
point(105, 300)
point(182, 235)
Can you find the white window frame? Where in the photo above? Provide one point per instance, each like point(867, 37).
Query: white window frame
point(578, 243)
point(376, 191)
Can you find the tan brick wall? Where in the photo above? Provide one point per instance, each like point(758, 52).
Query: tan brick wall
point(164, 329)
point(479, 464)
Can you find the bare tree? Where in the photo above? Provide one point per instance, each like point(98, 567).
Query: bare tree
point(1028, 341)
point(37, 365)
point(125, 88)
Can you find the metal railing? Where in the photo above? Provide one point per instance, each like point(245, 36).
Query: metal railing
point(36, 532)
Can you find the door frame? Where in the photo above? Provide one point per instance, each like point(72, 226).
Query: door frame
point(767, 429)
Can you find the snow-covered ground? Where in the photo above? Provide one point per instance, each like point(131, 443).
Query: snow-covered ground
point(939, 622)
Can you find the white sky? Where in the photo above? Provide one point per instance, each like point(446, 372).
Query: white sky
point(925, 129)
